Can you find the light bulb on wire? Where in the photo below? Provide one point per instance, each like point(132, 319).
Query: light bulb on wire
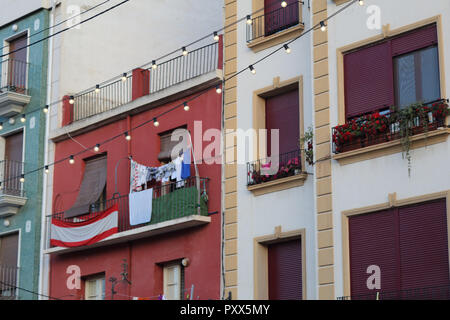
point(283, 4)
point(323, 27)
point(155, 122)
point(252, 69)
point(46, 169)
point(97, 88)
point(184, 51)
point(124, 77)
point(361, 2)
point(22, 118)
point(186, 107)
point(71, 160)
point(287, 49)
point(218, 89)
point(71, 99)
point(45, 109)
point(154, 65)
point(215, 36)
point(127, 136)
point(1, 125)
point(97, 147)
point(249, 19)
point(22, 178)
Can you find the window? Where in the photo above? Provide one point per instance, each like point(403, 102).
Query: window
point(95, 288)
point(8, 265)
point(12, 166)
point(92, 187)
point(282, 113)
point(399, 71)
point(277, 18)
point(173, 281)
point(409, 245)
point(285, 270)
point(166, 145)
point(17, 65)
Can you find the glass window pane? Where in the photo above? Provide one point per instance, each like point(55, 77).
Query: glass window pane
point(430, 75)
point(405, 80)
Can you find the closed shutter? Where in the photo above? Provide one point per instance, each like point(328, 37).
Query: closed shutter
point(92, 186)
point(277, 18)
point(424, 246)
point(9, 246)
point(368, 79)
point(166, 145)
point(415, 40)
point(282, 112)
point(285, 270)
point(373, 239)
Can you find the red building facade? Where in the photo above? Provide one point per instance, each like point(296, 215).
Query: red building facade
point(177, 254)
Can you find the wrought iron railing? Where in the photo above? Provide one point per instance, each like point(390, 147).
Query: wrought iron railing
point(117, 93)
point(265, 170)
point(109, 96)
point(274, 21)
point(14, 76)
point(383, 126)
point(8, 282)
point(426, 293)
point(170, 201)
point(10, 173)
point(183, 68)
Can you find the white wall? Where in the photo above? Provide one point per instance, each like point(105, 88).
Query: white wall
point(14, 9)
point(369, 182)
point(292, 208)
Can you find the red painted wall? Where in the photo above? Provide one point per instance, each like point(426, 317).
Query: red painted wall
point(201, 244)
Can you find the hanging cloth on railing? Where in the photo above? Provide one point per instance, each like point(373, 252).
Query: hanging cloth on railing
point(186, 165)
point(140, 204)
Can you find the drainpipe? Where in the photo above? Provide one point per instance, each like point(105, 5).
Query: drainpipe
point(43, 259)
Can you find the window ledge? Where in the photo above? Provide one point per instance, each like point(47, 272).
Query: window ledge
point(276, 38)
point(10, 204)
point(278, 185)
point(339, 2)
point(383, 149)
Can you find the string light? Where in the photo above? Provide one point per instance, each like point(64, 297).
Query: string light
point(184, 50)
point(249, 19)
point(215, 36)
point(154, 65)
point(22, 118)
point(97, 147)
point(1, 125)
point(127, 136)
point(71, 100)
point(186, 107)
point(218, 89)
point(287, 49)
point(124, 77)
point(155, 122)
point(323, 27)
point(283, 4)
point(361, 2)
point(45, 109)
point(71, 160)
point(97, 88)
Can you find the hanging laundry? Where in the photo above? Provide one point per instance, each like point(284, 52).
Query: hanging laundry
point(186, 164)
point(140, 204)
point(177, 174)
point(138, 176)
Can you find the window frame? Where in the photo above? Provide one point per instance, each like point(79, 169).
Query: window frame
point(179, 281)
point(96, 281)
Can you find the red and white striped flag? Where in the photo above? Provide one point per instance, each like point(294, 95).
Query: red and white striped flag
point(75, 234)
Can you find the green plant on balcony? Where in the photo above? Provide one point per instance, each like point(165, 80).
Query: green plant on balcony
point(307, 142)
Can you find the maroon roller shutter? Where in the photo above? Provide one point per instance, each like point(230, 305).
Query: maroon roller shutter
point(415, 40)
point(372, 239)
point(424, 245)
point(285, 270)
point(277, 18)
point(9, 246)
point(368, 79)
point(282, 112)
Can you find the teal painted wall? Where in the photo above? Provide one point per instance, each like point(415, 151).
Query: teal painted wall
point(34, 136)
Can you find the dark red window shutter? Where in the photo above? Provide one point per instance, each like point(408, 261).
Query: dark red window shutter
point(282, 112)
point(285, 270)
point(277, 18)
point(372, 239)
point(368, 79)
point(9, 248)
point(415, 40)
point(424, 246)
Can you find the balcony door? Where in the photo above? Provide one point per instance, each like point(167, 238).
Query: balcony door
point(277, 18)
point(9, 247)
point(17, 64)
point(12, 165)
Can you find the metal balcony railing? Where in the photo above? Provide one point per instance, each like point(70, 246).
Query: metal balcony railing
point(14, 76)
point(170, 201)
point(289, 165)
point(274, 21)
point(383, 126)
point(167, 74)
point(426, 293)
point(8, 282)
point(183, 68)
point(10, 172)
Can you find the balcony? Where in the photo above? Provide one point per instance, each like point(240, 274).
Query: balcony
point(390, 131)
point(8, 282)
point(142, 82)
point(428, 293)
point(262, 178)
point(12, 196)
point(175, 206)
point(274, 27)
point(14, 92)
